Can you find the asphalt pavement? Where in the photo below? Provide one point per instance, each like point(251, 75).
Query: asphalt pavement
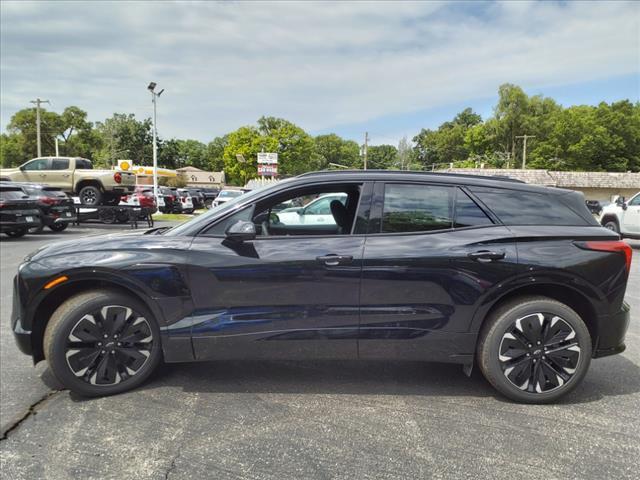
point(313, 420)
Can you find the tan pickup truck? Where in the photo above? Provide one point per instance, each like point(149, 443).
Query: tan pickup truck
point(75, 176)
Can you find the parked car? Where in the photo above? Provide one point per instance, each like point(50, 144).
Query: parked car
point(196, 197)
point(186, 200)
point(141, 197)
point(316, 212)
point(623, 217)
point(225, 195)
point(209, 195)
point(18, 212)
point(74, 176)
point(172, 203)
point(57, 210)
point(520, 280)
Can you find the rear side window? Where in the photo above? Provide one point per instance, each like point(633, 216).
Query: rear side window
point(82, 164)
point(468, 214)
point(527, 208)
point(11, 194)
point(416, 208)
point(59, 164)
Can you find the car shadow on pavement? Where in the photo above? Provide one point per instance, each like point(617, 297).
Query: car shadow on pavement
point(607, 377)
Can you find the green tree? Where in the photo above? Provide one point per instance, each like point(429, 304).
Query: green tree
point(334, 149)
point(11, 150)
point(245, 141)
point(125, 137)
point(215, 153)
point(382, 157)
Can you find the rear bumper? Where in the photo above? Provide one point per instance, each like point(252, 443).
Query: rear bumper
point(11, 226)
point(612, 333)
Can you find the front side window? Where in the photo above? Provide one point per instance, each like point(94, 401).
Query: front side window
point(37, 164)
point(416, 208)
point(635, 201)
point(59, 164)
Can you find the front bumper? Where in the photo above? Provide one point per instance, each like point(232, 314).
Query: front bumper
point(612, 333)
point(22, 337)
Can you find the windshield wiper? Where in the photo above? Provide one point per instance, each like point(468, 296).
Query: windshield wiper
point(157, 230)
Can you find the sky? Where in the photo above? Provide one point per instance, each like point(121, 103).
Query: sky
point(389, 68)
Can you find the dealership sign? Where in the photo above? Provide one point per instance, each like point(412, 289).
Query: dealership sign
point(267, 164)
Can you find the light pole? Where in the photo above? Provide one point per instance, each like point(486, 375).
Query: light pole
point(154, 97)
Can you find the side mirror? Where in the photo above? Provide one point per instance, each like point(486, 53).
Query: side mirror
point(241, 231)
point(624, 205)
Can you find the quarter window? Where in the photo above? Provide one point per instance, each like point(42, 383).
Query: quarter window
point(416, 208)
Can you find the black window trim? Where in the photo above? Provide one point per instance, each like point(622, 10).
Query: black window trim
point(366, 188)
point(377, 205)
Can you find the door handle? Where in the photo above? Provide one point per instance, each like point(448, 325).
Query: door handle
point(333, 260)
point(486, 256)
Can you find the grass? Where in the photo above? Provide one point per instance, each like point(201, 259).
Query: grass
point(177, 217)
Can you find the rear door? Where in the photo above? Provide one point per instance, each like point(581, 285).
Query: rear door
point(59, 174)
point(430, 256)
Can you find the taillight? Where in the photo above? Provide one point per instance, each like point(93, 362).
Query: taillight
point(117, 177)
point(2, 204)
point(47, 200)
point(609, 246)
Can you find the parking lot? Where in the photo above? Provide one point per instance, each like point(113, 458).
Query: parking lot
point(312, 419)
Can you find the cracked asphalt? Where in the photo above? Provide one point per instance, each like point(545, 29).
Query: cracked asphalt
point(313, 420)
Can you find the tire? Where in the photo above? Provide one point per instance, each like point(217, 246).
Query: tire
point(20, 232)
point(38, 229)
point(107, 216)
point(513, 362)
point(612, 225)
point(90, 195)
point(92, 363)
point(58, 227)
point(122, 216)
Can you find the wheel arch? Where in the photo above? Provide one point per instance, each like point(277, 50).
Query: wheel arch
point(44, 309)
point(86, 183)
point(609, 217)
point(571, 297)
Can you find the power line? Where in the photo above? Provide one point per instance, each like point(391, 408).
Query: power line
point(37, 103)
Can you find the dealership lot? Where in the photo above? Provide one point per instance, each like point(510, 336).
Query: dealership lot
point(313, 419)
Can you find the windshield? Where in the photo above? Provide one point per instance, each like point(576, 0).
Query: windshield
point(202, 220)
point(230, 193)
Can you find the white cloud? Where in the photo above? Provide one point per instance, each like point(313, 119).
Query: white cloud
point(317, 64)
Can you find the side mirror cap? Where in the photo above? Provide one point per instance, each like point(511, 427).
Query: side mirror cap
point(241, 231)
point(624, 205)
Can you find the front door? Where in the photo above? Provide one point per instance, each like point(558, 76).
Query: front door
point(631, 217)
point(289, 293)
point(430, 256)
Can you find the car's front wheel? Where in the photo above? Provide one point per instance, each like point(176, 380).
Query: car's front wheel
point(534, 349)
point(102, 342)
point(20, 232)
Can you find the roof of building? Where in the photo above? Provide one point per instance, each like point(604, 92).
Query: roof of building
point(554, 178)
point(189, 169)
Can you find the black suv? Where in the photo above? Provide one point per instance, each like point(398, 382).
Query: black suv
point(18, 212)
point(56, 207)
point(518, 279)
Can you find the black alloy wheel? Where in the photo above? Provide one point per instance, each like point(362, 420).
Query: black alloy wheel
point(108, 345)
point(58, 227)
point(534, 349)
point(539, 353)
point(90, 195)
point(102, 342)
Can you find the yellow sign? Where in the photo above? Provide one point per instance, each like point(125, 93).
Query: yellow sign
point(124, 165)
point(127, 166)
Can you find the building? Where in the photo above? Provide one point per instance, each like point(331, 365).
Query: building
point(603, 186)
point(196, 177)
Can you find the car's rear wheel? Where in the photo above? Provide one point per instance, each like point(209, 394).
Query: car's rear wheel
point(102, 342)
point(20, 232)
point(90, 195)
point(534, 349)
point(58, 227)
point(612, 225)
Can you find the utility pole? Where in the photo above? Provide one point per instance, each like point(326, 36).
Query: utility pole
point(366, 144)
point(524, 148)
point(37, 103)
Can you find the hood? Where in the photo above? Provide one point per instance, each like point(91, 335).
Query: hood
point(111, 242)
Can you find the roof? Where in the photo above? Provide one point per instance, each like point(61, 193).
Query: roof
point(561, 179)
point(189, 169)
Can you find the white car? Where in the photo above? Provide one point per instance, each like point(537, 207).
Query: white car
point(316, 212)
point(226, 195)
point(623, 217)
point(186, 200)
